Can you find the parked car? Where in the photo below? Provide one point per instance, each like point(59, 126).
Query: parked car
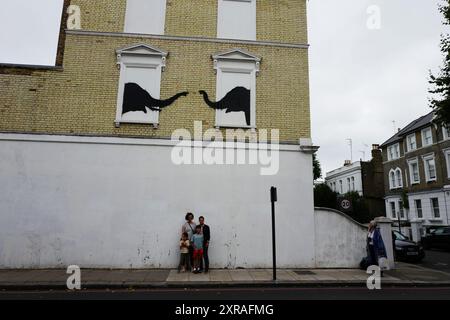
point(438, 238)
point(407, 250)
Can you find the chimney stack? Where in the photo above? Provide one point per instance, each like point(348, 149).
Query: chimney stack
point(347, 163)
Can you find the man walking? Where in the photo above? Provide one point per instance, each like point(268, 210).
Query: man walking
point(206, 237)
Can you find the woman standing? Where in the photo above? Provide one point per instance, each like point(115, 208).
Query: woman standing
point(375, 245)
point(189, 227)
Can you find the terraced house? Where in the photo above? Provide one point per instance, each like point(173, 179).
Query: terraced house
point(417, 170)
point(90, 173)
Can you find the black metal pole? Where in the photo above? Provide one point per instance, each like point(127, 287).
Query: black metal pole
point(274, 248)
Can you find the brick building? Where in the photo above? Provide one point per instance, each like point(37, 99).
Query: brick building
point(86, 147)
point(364, 177)
point(417, 169)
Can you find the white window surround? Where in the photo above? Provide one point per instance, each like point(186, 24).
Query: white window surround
point(145, 17)
point(429, 167)
point(414, 173)
point(411, 143)
point(395, 178)
point(419, 208)
point(393, 152)
point(236, 19)
point(393, 210)
point(447, 160)
point(446, 132)
point(427, 137)
point(240, 62)
point(141, 57)
point(435, 210)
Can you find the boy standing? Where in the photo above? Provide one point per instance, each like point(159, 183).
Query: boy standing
point(197, 242)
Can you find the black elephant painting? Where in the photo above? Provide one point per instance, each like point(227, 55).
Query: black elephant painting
point(135, 98)
point(237, 100)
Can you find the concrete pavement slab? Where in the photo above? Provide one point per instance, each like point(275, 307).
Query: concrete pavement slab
point(220, 276)
point(260, 275)
point(240, 275)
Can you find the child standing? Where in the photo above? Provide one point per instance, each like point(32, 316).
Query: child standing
point(185, 261)
point(197, 241)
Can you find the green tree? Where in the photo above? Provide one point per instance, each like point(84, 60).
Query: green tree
point(324, 196)
point(359, 211)
point(441, 82)
point(317, 170)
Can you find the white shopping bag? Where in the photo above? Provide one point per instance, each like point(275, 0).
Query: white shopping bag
point(383, 263)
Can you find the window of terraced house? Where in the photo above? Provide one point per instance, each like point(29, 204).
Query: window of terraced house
point(144, 16)
point(414, 171)
point(435, 207)
point(427, 137)
point(399, 178)
point(353, 183)
point(236, 19)
point(447, 161)
point(418, 204)
point(394, 152)
point(446, 131)
point(430, 167)
point(411, 143)
point(393, 212)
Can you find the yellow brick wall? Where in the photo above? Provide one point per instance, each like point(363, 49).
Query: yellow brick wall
point(277, 20)
point(82, 99)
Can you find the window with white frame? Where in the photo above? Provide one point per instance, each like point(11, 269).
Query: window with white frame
point(411, 143)
point(435, 208)
point(414, 176)
point(139, 84)
point(429, 167)
point(393, 151)
point(427, 137)
point(393, 210)
point(418, 205)
point(401, 210)
point(341, 189)
point(144, 16)
point(236, 19)
point(392, 180)
point(349, 186)
point(398, 178)
point(446, 131)
point(235, 88)
point(353, 184)
point(447, 161)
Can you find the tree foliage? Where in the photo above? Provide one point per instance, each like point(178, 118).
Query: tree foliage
point(324, 196)
point(317, 170)
point(441, 82)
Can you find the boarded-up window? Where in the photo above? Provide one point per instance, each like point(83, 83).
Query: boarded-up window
point(145, 16)
point(237, 19)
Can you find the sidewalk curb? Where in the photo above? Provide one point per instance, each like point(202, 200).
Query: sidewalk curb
point(224, 285)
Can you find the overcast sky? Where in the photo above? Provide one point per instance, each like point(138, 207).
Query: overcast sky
point(361, 79)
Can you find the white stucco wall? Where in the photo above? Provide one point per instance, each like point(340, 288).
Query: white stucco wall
point(120, 203)
point(340, 241)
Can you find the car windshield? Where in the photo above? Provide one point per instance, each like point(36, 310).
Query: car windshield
point(399, 236)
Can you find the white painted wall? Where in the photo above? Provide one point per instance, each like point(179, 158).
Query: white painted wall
point(428, 216)
point(144, 16)
point(236, 19)
point(120, 203)
point(340, 241)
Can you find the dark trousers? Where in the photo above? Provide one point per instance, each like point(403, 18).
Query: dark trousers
point(185, 261)
point(205, 259)
point(191, 257)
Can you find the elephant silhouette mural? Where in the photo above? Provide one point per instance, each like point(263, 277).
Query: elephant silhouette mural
point(237, 100)
point(135, 98)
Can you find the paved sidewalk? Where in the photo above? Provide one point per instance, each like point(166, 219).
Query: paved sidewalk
point(404, 275)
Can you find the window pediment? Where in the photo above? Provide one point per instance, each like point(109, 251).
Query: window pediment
point(238, 55)
point(141, 50)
